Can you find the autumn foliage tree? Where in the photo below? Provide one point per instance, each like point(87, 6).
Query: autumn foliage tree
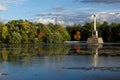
point(77, 36)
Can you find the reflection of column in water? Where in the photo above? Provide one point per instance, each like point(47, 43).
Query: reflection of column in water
point(95, 49)
point(95, 52)
point(95, 59)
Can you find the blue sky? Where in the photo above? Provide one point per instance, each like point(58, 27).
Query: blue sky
point(66, 11)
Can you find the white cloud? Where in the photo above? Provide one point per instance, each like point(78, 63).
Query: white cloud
point(70, 23)
point(61, 22)
point(99, 1)
point(46, 21)
point(79, 15)
point(107, 16)
point(50, 20)
point(11, 1)
point(66, 19)
point(2, 8)
point(110, 16)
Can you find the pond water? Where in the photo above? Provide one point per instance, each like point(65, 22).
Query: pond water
point(78, 61)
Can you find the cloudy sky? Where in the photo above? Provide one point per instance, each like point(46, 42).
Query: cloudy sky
point(60, 11)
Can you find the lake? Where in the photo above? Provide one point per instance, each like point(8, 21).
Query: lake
point(78, 61)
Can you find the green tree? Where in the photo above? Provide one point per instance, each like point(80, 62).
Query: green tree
point(116, 33)
point(63, 32)
point(3, 31)
point(32, 32)
point(86, 31)
point(44, 33)
point(105, 31)
point(14, 37)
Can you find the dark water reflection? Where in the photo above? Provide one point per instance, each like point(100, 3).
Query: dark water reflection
point(60, 62)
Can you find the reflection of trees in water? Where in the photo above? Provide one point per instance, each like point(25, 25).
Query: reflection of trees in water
point(14, 52)
point(77, 48)
point(4, 54)
point(51, 50)
point(85, 49)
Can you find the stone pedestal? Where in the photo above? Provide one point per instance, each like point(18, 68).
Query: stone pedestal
point(94, 40)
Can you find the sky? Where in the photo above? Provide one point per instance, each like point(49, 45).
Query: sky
point(66, 12)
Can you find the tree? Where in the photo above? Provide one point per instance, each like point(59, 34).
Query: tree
point(86, 31)
point(24, 38)
point(4, 33)
point(32, 34)
point(77, 36)
point(63, 32)
point(13, 25)
point(51, 26)
point(116, 33)
point(105, 31)
point(73, 29)
point(43, 33)
point(14, 37)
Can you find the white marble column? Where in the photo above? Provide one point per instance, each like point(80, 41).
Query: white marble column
point(94, 22)
point(95, 31)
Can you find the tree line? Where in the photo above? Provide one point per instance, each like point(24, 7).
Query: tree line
point(24, 31)
point(109, 32)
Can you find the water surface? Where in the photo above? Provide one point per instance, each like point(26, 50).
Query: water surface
point(60, 62)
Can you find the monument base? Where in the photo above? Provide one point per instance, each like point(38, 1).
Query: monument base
point(94, 40)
